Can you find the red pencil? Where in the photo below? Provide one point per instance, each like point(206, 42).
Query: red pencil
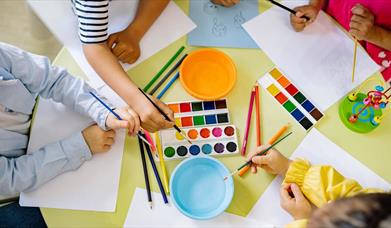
point(250, 110)
point(258, 115)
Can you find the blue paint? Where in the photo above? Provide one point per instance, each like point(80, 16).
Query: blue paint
point(210, 119)
point(297, 114)
point(207, 149)
point(308, 106)
point(209, 105)
point(198, 188)
point(194, 150)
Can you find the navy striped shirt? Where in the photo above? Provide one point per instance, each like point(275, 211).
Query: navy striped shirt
point(93, 17)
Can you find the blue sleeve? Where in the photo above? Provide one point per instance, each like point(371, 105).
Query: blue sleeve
point(41, 78)
point(27, 172)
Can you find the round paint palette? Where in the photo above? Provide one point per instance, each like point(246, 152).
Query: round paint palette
point(198, 188)
point(208, 74)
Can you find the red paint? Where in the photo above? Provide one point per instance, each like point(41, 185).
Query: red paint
point(187, 121)
point(185, 107)
point(205, 133)
point(292, 90)
point(229, 131)
point(281, 98)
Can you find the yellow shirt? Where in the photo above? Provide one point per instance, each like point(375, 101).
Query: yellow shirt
point(321, 184)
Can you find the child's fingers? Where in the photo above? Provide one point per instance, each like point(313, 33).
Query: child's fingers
point(296, 192)
point(284, 193)
point(358, 9)
point(255, 152)
point(118, 49)
point(136, 125)
point(253, 168)
point(261, 160)
point(109, 141)
point(110, 134)
point(112, 40)
point(356, 33)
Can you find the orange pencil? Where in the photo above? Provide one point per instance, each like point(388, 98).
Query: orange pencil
point(258, 121)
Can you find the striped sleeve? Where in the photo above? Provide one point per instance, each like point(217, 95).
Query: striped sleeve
point(93, 17)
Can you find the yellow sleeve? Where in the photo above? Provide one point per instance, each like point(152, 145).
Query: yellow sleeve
point(321, 184)
point(302, 223)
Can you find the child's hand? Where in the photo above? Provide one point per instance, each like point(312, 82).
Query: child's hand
point(226, 3)
point(130, 120)
point(98, 140)
point(273, 162)
point(294, 202)
point(298, 22)
point(362, 23)
point(127, 47)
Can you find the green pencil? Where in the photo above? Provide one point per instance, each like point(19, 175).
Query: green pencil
point(148, 86)
point(259, 154)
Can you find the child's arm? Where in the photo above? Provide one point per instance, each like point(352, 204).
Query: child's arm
point(126, 42)
point(363, 27)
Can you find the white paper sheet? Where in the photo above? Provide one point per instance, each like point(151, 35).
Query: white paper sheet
point(162, 215)
point(60, 19)
point(94, 186)
point(318, 150)
point(318, 60)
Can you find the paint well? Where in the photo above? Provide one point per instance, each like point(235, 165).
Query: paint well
point(178, 122)
point(219, 148)
point(299, 97)
point(169, 152)
point(193, 134)
point(217, 132)
point(222, 118)
point(273, 90)
point(275, 73)
point(316, 114)
point(187, 121)
point(198, 120)
point(185, 107)
point(206, 149)
point(205, 133)
point(281, 98)
point(306, 123)
point(297, 114)
point(232, 147)
point(284, 82)
point(179, 136)
point(221, 104)
point(291, 89)
point(174, 107)
point(194, 150)
point(196, 106)
point(289, 106)
point(308, 106)
point(229, 131)
point(210, 119)
point(181, 151)
point(209, 105)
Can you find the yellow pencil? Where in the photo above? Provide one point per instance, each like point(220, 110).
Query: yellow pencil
point(354, 58)
point(162, 164)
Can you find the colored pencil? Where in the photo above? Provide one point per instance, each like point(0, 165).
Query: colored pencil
point(149, 139)
point(117, 116)
point(259, 154)
point(258, 115)
point(272, 140)
point(165, 116)
point(354, 59)
point(162, 163)
point(159, 181)
point(156, 77)
point(145, 170)
point(165, 77)
point(169, 84)
point(249, 114)
point(288, 9)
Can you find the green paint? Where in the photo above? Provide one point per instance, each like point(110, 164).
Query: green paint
point(198, 120)
point(289, 106)
point(196, 106)
point(169, 152)
point(299, 97)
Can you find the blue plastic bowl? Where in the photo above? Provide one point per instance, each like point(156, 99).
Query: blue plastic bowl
point(198, 188)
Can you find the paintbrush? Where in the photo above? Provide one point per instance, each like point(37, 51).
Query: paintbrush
point(165, 116)
point(288, 9)
point(258, 154)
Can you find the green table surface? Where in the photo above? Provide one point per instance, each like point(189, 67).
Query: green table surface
point(371, 149)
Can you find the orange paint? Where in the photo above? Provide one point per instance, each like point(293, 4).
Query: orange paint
point(193, 134)
point(284, 82)
point(174, 107)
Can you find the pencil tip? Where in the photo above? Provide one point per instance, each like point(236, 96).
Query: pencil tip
point(150, 205)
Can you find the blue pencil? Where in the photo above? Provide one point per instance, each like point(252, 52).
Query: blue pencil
point(159, 181)
point(169, 84)
point(117, 116)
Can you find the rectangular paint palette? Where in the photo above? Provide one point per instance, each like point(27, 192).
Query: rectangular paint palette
point(206, 140)
point(291, 98)
point(199, 113)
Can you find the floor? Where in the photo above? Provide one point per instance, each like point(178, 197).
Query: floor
point(20, 27)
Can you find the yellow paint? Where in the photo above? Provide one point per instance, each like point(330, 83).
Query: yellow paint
point(275, 73)
point(273, 90)
point(179, 136)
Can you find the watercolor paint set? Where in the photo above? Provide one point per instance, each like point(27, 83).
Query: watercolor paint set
point(199, 113)
point(291, 98)
point(206, 140)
